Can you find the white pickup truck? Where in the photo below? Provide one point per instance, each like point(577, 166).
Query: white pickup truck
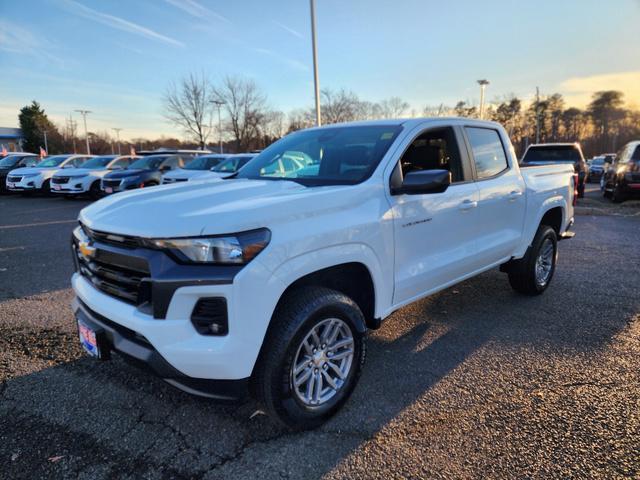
point(266, 283)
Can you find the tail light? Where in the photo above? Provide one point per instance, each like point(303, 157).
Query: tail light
point(575, 189)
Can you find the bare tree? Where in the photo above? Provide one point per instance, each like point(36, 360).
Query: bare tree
point(393, 107)
point(340, 106)
point(187, 106)
point(245, 106)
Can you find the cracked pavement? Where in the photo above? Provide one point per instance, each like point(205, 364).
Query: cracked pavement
point(473, 382)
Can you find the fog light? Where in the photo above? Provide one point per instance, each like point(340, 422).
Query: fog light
point(209, 316)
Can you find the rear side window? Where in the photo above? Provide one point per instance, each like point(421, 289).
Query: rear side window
point(488, 152)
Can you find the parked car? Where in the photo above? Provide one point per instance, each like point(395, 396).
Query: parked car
point(144, 172)
point(195, 168)
point(229, 166)
point(267, 284)
point(568, 153)
point(38, 177)
point(86, 179)
point(622, 179)
point(13, 161)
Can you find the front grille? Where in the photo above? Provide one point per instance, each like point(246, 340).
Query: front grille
point(116, 275)
point(59, 180)
point(111, 183)
point(112, 238)
point(13, 179)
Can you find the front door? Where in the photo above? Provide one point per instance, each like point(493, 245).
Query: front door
point(434, 233)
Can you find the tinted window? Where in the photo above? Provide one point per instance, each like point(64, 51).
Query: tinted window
point(327, 156)
point(10, 160)
point(488, 152)
point(636, 154)
point(150, 162)
point(204, 163)
point(228, 166)
point(121, 163)
point(98, 162)
point(52, 161)
point(552, 153)
point(434, 150)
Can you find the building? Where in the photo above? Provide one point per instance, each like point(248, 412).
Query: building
point(11, 139)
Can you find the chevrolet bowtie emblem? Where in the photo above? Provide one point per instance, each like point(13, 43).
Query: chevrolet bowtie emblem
point(86, 249)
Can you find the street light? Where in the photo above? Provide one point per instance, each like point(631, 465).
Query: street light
point(483, 84)
point(117, 130)
point(316, 81)
point(218, 104)
point(86, 135)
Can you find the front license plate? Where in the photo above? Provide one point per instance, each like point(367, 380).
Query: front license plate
point(108, 189)
point(88, 339)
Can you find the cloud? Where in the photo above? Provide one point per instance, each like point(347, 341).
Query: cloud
point(19, 40)
point(293, 32)
point(194, 9)
point(579, 90)
point(117, 23)
point(295, 64)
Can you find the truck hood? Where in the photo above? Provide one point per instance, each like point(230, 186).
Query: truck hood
point(208, 207)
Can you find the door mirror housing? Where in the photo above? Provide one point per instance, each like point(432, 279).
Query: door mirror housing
point(423, 181)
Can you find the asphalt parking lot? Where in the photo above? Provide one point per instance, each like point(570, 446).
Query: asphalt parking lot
point(473, 382)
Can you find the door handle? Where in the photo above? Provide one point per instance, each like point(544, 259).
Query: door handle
point(514, 195)
point(468, 205)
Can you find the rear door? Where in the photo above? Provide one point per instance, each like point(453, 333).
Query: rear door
point(501, 188)
point(435, 232)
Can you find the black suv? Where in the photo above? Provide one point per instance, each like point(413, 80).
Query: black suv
point(546, 153)
point(12, 161)
point(621, 179)
point(144, 172)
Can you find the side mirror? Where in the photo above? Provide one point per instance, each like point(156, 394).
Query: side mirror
point(424, 181)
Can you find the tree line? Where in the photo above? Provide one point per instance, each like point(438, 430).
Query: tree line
point(248, 122)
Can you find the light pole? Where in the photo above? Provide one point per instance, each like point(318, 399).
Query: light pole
point(86, 135)
point(316, 81)
point(46, 145)
point(117, 130)
point(218, 104)
point(483, 84)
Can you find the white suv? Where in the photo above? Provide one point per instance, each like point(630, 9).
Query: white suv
point(86, 178)
point(38, 177)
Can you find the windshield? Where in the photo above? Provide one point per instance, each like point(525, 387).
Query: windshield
point(203, 163)
point(230, 165)
point(150, 162)
point(10, 160)
point(552, 153)
point(52, 161)
point(329, 156)
point(98, 162)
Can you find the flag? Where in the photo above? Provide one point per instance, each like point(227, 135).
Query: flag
point(132, 151)
point(4, 151)
point(43, 152)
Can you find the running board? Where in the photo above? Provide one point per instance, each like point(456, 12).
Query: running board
point(567, 235)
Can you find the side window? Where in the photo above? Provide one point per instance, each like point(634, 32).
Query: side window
point(121, 163)
point(636, 153)
point(488, 151)
point(435, 149)
point(79, 161)
point(30, 161)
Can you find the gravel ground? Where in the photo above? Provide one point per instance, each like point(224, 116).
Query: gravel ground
point(473, 382)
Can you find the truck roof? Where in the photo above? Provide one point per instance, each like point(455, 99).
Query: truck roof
point(408, 122)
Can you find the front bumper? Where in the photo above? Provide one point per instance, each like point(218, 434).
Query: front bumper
point(72, 187)
point(136, 349)
point(26, 184)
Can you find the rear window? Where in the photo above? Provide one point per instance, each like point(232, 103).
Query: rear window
point(488, 152)
point(552, 153)
point(636, 154)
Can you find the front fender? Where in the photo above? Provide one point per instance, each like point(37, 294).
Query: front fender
point(297, 267)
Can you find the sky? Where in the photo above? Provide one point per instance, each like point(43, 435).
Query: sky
point(117, 58)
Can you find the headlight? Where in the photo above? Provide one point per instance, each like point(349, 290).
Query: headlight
point(237, 249)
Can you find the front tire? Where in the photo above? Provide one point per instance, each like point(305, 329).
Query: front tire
point(532, 274)
point(617, 196)
point(94, 191)
point(312, 357)
point(46, 188)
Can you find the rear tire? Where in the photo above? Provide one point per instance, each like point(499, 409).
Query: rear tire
point(532, 274)
point(290, 356)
